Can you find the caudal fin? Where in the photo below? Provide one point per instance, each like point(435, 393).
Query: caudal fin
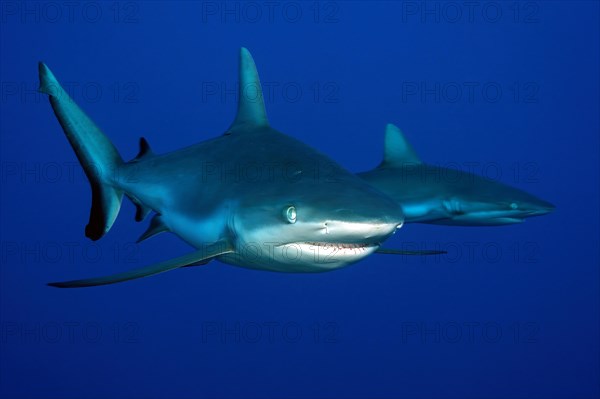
point(98, 157)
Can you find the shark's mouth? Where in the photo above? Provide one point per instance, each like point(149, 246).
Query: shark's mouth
point(339, 246)
point(328, 252)
point(312, 256)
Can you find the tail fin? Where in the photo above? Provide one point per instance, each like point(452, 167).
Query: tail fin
point(97, 155)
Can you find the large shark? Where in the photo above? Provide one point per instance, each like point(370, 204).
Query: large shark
point(437, 195)
point(253, 197)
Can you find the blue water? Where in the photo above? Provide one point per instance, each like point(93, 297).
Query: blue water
point(507, 90)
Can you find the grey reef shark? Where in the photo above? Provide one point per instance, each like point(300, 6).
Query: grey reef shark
point(437, 195)
point(297, 211)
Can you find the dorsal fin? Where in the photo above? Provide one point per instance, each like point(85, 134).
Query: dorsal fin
point(251, 106)
point(145, 150)
point(398, 151)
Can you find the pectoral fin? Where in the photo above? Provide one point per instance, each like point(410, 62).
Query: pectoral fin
point(157, 226)
point(406, 252)
point(200, 263)
point(204, 254)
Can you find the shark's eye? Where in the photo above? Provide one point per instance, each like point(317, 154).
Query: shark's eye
point(290, 214)
point(514, 205)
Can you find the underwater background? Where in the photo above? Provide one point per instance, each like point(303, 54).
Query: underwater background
point(508, 90)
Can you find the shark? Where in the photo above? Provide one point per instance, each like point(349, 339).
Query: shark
point(427, 194)
point(252, 197)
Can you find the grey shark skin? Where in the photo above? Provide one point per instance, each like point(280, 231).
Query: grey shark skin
point(436, 195)
point(253, 197)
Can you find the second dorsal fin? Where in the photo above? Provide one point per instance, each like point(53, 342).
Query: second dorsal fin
point(251, 106)
point(145, 150)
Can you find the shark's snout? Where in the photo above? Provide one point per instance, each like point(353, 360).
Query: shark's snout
point(543, 208)
point(370, 232)
point(534, 207)
point(373, 223)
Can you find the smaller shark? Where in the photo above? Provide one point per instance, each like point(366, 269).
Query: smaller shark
point(426, 196)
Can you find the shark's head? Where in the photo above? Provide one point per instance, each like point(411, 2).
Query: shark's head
point(431, 194)
point(491, 203)
point(312, 224)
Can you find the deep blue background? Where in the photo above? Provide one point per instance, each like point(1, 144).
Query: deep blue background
point(155, 64)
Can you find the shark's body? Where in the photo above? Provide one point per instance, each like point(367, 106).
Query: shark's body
point(242, 186)
point(437, 195)
point(252, 197)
